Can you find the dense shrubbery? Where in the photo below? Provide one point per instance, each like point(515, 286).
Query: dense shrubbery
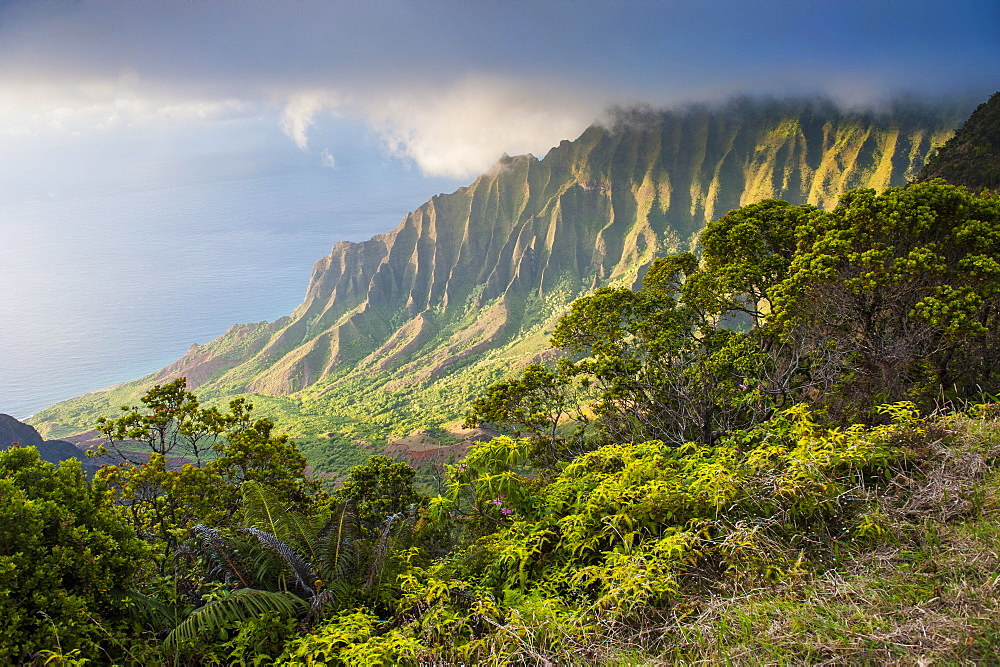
point(625, 528)
point(67, 559)
point(742, 428)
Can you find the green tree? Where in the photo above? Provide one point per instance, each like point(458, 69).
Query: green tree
point(182, 464)
point(746, 253)
point(66, 559)
point(658, 363)
point(900, 293)
point(538, 404)
point(377, 490)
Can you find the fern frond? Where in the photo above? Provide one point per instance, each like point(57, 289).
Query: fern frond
point(263, 510)
point(260, 508)
point(340, 543)
point(224, 556)
point(302, 531)
point(381, 548)
point(304, 572)
point(317, 603)
point(237, 607)
point(147, 611)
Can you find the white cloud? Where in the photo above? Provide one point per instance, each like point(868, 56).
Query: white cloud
point(61, 108)
point(454, 130)
point(300, 112)
point(457, 130)
point(461, 130)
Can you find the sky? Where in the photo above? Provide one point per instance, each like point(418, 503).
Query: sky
point(173, 167)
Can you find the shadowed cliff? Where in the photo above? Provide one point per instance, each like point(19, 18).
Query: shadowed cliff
point(971, 157)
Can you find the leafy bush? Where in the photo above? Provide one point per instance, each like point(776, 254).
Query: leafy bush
point(352, 638)
point(627, 527)
point(66, 559)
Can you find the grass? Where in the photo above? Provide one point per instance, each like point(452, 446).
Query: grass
point(925, 593)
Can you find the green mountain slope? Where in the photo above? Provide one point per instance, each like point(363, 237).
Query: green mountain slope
point(399, 332)
point(971, 157)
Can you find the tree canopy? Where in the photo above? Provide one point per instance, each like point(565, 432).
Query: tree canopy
point(889, 296)
point(182, 464)
point(900, 292)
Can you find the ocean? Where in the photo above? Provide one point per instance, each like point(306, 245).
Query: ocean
point(107, 274)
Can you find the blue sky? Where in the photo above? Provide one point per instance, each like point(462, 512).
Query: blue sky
point(173, 167)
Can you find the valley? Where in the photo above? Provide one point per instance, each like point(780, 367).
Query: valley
point(402, 331)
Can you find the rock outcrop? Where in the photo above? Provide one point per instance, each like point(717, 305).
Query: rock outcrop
point(14, 433)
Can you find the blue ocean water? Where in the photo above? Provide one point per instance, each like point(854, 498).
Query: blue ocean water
point(111, 272)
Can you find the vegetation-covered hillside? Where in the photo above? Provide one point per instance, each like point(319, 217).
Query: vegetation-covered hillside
point(971, 157)
point(782, 451)
point(402, 331)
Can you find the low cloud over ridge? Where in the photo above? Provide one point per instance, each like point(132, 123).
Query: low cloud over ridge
point(452, 85)
point(456, 130)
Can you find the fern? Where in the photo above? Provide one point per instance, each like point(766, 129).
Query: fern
point(305, 573)
point(146, 610)
point(378, 555)
point(340, 544)
point(237, 607)
point(225, 557)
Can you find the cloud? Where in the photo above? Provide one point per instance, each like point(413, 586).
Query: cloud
point(300, 113)
point(457, 130)
point(462, 129)
point(327, 159)
point(59, 107)
point(451, 85)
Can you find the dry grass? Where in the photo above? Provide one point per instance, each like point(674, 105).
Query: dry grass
point(925, 595)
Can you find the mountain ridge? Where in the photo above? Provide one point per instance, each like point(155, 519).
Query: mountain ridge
point(972, 156)
point(471, 279)
point(352, 288)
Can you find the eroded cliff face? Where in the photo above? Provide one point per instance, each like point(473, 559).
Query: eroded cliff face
point(465, 271)
point(489, 267)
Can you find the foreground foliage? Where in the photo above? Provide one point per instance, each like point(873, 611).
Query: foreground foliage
point(792, 542)
point(67, 559)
